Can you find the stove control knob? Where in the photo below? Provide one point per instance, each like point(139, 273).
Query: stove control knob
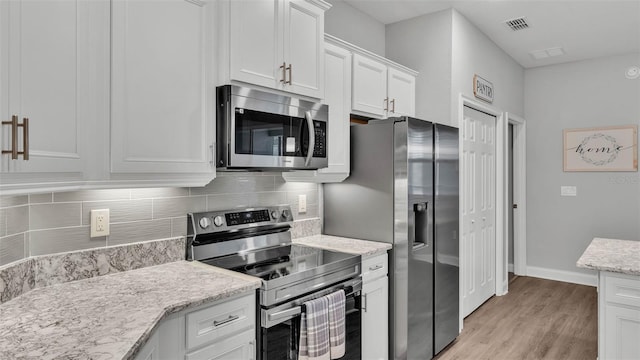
point(205, 222)
point(217, 221)
point(285, 214)
point(274, 214)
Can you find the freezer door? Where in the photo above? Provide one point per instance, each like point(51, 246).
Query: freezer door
point(446, 236)
point(420, 209)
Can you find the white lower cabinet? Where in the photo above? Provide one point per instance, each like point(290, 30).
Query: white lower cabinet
point(618, 317)
point(375, 308)
point(223, 330)
point(241, 346)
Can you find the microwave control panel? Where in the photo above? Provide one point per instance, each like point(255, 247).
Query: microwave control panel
point(320, 130)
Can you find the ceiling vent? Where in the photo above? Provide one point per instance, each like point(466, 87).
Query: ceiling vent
point(517, 24)
point(546, 53)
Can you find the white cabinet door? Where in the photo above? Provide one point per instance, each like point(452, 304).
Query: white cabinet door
point(369, 86)
point(622, 333)
point(303, 47)
point(256, 42)
point(161, 63)
point(52, 67)
point(401, 89)
point(150, 350)
point(337, 87)
point(238, 347)
point(277, 44)
point(375, 319)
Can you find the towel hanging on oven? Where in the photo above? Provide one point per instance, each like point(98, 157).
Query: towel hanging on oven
point(322, 328)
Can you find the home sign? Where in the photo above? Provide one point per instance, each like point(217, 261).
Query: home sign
point(601, 149)
point(482, 89)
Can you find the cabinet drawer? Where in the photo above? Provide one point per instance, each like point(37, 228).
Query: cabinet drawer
point(374, 267)
point(213, 323)
point(239, 347)
point(620, 289)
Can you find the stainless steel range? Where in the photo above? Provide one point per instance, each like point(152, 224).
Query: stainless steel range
point(257, 242)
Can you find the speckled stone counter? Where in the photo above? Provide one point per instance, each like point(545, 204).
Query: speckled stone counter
point(352, 246)
point(111, 316)
point(621, 256)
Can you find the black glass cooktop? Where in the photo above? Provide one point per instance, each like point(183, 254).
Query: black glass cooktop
point(281, 261)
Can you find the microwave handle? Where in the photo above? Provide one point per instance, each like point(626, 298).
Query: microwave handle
point(312, 137)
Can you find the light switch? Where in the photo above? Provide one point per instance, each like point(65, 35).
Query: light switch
point(568, 191)
point(302, 203)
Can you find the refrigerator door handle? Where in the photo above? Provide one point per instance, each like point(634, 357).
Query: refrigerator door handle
point(420, 236)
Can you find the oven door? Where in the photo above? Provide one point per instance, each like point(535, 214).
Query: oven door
point(279, 335)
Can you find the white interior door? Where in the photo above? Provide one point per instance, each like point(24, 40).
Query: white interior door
point(478, 208)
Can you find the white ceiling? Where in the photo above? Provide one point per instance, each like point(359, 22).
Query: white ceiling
point(583, 28)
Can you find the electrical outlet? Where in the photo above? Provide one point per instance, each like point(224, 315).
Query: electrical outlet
point(302, 203)
point(99, 222)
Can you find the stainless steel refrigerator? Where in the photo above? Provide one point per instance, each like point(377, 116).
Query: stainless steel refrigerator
point(403, 189)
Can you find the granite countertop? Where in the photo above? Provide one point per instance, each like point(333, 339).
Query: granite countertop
point(348, 245)
point(111, 316)
point(621, 256)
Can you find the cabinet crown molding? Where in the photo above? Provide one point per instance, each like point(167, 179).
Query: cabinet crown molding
point(321, 4)
point(358, 50)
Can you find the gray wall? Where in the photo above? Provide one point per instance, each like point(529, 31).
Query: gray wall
point(351, 25)
point(39, 224)
point(581, 94)
point(424, 44)
point(448, 50)
point(474, 53)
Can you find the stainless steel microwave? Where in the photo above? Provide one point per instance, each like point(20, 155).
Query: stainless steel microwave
point(258, 130)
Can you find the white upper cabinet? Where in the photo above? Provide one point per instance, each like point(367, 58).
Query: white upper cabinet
point(401, 88)
point(161, 89)
point(369, 86)
point(381, 89)
point(338, 96)
point(256, 42)
point(52, 72)
point(276, 44)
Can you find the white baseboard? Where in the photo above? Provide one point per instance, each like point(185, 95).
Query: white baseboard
point(562, 275)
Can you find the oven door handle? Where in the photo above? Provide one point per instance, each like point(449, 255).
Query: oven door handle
point(284, 313)
point(312, 137)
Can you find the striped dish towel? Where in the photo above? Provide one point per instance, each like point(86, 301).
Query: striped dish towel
point(337, 337)
point(314, 330)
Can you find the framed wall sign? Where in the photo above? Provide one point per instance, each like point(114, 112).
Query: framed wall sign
point(601, 149)
point(482, 89)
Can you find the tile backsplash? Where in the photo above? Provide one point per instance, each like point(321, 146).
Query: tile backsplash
point(40, 224)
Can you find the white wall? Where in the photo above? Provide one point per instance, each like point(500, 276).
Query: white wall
point(474, 53)
point(351, 25)
point(424, 44)
point(574, 95)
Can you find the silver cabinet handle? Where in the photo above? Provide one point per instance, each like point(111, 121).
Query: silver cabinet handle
point(284, 73)
point(393, 105)
point(374, 268)
point(25, 138)
point(227, 320)
point(290, 74)
point(14, 137)
point(312, 137)
point(386, 104)
point(364, 302)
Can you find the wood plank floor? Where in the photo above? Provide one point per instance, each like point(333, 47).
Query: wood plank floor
point(537, 319)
